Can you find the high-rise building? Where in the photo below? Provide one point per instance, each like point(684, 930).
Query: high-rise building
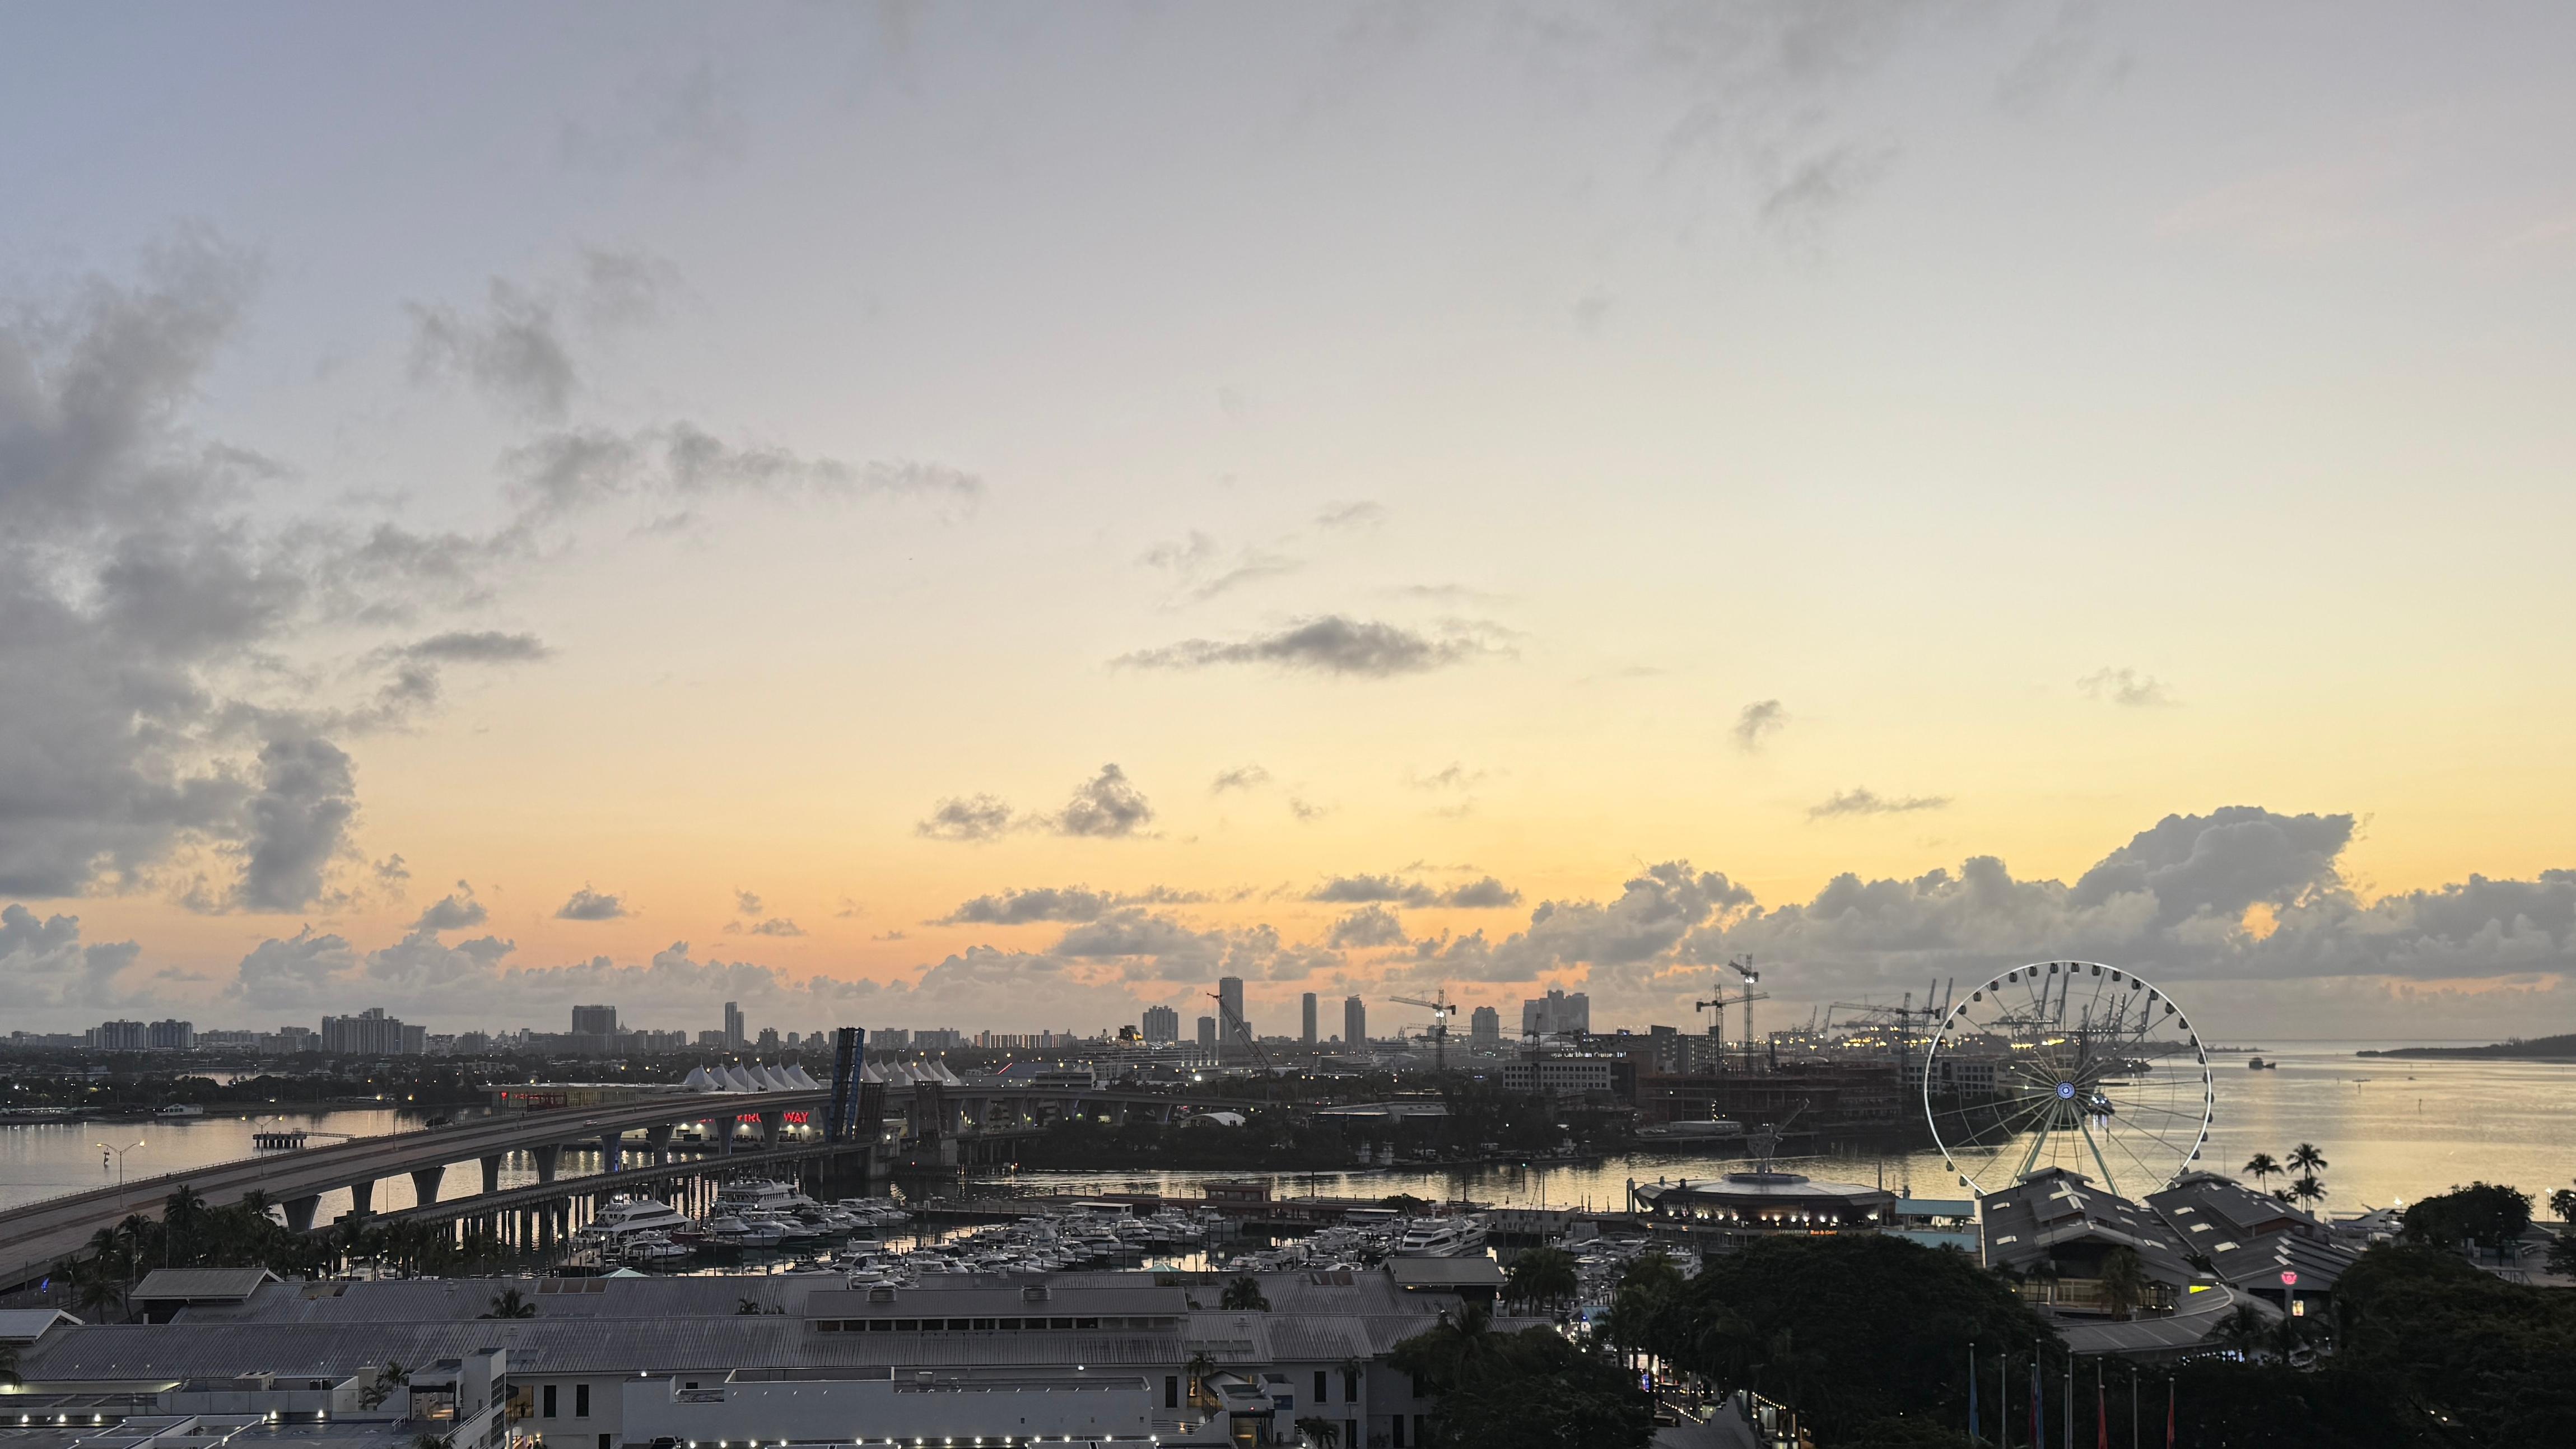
point(1310, 1018)
point(1484, 1027)
point(1207, 1035)
point(1354, 1023)
point(1556, 1014)
point(733, 1024)
point(768, 1040)
point(171, 1036)
point(1229, 1002)
point(119, 1036)
point(371, 1033)
point(594, 1021)
point(1162, 1024)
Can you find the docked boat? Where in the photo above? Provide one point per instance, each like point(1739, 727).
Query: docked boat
point(625, 1217)
point(1440, 1238)
point(730, 1231)
point(653, 1247)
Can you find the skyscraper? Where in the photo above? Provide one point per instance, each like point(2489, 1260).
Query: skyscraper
point(1354, 1023)
point(1207, 1035)
point(1310, 1018)
point(733, 1024)
point(1556, 1014)
point(1231, 1027)
point(594, 1021)
point(1485, 1027)
point(1162, 1024)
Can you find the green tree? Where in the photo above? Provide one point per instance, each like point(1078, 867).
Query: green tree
point(2483, 1215)
point(2308, 1190)
point(2306, 1158)
point(1243, 1295)
point(1528, 1390)
point(2243, 1331)
point(1543, 1276)
point(392, 1376)
point(2563, 1203)
point(183, 1220)
point(1319, 1431)
point(2124, 1280)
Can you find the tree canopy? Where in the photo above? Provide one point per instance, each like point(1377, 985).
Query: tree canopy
point(1528, 1390)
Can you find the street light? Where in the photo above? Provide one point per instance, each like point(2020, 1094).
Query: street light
point(120, 1169)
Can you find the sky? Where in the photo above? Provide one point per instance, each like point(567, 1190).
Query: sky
point(995, 516)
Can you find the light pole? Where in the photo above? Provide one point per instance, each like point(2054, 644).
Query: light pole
point(120, 1170)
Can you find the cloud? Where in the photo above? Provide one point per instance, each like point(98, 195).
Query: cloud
point(1452, 777)
point(164, 606)
point(569, 470)
point(2125, 687)
point(1757, 723)
point(1822, 183)
point(485, 646)
point(1201, 570)
point(1241, 777)
point(774, 926)
point(511, 350)
point(1368, 889)
point(1106, 807)
point(1481, 895)
point(1367, 927)
point(1864, 801)
point(44, 964)
point(1351, 516)
point(590, 905)
point(1331, 644)
point(454, 912)
point(973, 818)
point(299, 823)
point(746, 902)
point(1308, 811)
point(1021, 907)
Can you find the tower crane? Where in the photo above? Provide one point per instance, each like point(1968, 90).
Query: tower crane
point(1231, 1024)
point(1441, 1010)
point(1719, 1004)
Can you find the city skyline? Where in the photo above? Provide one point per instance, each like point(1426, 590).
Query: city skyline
point(1003, 520)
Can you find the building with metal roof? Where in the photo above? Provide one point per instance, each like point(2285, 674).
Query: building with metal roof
point(2255, 1242)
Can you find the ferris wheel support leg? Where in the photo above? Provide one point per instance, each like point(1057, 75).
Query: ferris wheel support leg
point(2030, 1159)
point(2107, 1184)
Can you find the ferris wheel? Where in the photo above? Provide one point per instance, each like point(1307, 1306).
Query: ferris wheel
point(2069, 1064)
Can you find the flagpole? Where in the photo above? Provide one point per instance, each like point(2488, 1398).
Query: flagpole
point(1973, 1436)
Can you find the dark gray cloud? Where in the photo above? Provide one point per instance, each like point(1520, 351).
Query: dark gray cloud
point(1369, 926)
point(485, 646)
point(1481, 895)
point(1021, 907)
point(1486, 893)
point(746, 902)
point(2126, 687)
point(1865, 801)
point(773, 926)
point(160, 720)
point(969, 818)
point(1759, 721)
point(590, 905)
point(1331, 644)
point(1241, 777)
point(453, 912)
point(1452, 777)
point(299, 823)
point(2221, 863)
point(1108, 806)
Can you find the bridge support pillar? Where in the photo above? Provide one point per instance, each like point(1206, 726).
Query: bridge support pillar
point(300, 1212)
point(612, 1151)
point(492, 1173)
point(424, 1183)
point(772, 1123)
point(658, 1137)
point(549, 1157)
point(724, 1126)
point(362, 1197)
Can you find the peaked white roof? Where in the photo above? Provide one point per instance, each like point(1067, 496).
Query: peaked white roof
point(699, 1080)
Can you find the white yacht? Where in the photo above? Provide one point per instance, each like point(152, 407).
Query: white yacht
point(624, 1217)
point(760, 1194)
point(739, 1232)
point(652, 1247)
point(1440, 1238)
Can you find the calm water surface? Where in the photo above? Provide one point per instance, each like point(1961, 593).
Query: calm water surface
point(2392, 1130)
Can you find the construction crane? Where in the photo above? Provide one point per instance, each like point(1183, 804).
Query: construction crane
point(1231, 1024)
point(1717, 1023)
point(1441, 1010)
point(1907, 1020)
point(1743, 966)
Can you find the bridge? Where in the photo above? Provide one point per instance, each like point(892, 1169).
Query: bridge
point(35, 1237)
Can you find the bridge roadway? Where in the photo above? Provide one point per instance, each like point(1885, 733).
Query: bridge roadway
point(35, 1237)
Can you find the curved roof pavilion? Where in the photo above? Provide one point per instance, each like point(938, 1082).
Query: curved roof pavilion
point(1767, 1202)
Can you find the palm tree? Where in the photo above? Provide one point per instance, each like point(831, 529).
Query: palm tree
point(1243, 1295)
point(511, 1303)
point(9, 1365)
point(2308, 1190)
point(1201, 1365)
point(2262, 1168)
point(2124, 1281)
point(2243, 1331)
point(183, 1214)
point(2563, 1203)
point(388, 1378)
point(1321, 1432)
point(2306, 1158)
point(1543, 1275)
